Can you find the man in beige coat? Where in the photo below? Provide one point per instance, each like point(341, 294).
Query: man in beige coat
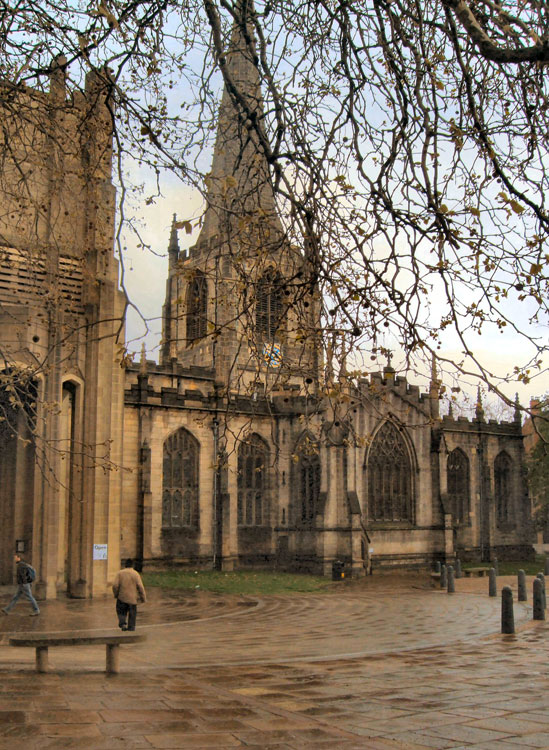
point(128, 589)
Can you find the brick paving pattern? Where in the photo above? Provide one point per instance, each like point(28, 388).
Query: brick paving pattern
point(384, 663)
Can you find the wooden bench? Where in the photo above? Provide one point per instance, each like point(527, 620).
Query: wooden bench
point(470, 572)
point(435, 577)
point(42, 641)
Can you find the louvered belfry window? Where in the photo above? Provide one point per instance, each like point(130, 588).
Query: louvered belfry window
point(180, 481)
point(457, 468)
point(307, 472)
point(268, 305)
point(197, 307)
point(252, 482)
point(389, 477)
point(502, 487)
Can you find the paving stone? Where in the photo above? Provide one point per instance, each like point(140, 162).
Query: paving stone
point(514, 725)
point(69, 730)
point(64, 716)
point(181, 741)
point(539, 740)
point(411, 740)
point(464, 733)
point(537, 716)
point(12, 717)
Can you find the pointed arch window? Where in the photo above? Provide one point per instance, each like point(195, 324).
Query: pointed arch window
point(253, 505)
point(180, 481)
point(306, 484)
point(389, 477)
point(503, 467)
point(197, 307)
point(269, 304)
point(457, 468)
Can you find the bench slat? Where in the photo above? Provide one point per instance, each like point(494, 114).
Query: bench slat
point(74, 639)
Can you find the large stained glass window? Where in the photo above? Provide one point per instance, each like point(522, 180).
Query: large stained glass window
point(253, 505)
point(197, 307)
point(389, 477)
point(457, 467)
point(306, 484)
point(180, 481)
point(502, 488)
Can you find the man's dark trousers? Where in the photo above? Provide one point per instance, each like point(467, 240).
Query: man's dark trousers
point(123, 610)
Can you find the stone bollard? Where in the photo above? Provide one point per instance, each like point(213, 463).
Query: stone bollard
point(437, 566)
point(546, 570)
point(521, 579)
point(539, 609)
point(443, 577)
point(542, 579)
point(451, 584)
point(492, 583)
point(459, 574)
point(507, 617)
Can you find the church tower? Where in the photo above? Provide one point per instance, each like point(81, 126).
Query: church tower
point(236, 301)
point(61, 318)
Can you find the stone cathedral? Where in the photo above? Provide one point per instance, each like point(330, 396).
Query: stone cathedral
point(224, 453)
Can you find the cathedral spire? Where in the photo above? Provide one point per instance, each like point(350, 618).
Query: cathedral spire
point(239, 181)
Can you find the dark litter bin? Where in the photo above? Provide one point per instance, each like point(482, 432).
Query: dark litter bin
point(338, 572)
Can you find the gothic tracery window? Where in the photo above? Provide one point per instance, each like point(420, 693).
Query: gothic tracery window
point(502, 487)
point(306, 480)
point(268, 305)
point(389, 477)
point(253, 503)
point(457, 468)
point(180, 481)
point(197, 302)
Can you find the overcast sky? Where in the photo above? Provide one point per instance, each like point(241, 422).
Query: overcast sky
point(145, 274)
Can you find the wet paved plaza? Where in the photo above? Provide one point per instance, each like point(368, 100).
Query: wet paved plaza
point(388, 662)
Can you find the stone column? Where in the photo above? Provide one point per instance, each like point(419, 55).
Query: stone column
point(335, 433)
point(448, 537)
point(230, 511)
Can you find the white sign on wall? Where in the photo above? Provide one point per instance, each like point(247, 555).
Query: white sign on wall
point(99, 551)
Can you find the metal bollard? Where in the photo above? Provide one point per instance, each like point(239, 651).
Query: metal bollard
point(546, 570)
point(521, 580)
point(451, 584)
point(539, 609)
point(492, 583)
point(507, 617)
point(495, 565)
point(443, 577)
point(437, 566)
point(459, 574)
point(542, 579)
